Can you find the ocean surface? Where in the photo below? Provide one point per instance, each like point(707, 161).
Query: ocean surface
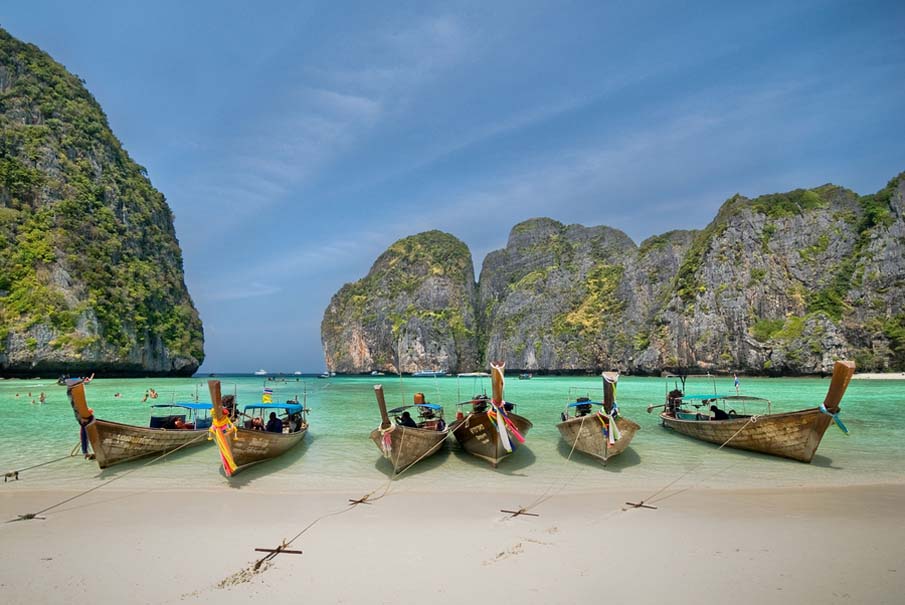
point(338, 455)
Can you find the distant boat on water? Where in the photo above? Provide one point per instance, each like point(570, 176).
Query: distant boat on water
point(261, 373)
point(296, 373)
point(428, 374)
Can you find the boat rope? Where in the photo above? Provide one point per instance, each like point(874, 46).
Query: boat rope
point(835, 417)
point(653, 497)
point(258, 566)
point(29, 516)
point(14, 475)
point(549, 492)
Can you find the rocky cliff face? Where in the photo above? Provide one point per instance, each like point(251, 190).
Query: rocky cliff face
point(787, 283)
point(413, 311)
point(91, 274)
point(781, 284)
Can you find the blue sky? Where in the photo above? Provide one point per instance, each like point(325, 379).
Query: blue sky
point(296, 141)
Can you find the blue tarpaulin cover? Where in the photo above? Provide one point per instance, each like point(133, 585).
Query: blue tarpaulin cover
point(187, 405)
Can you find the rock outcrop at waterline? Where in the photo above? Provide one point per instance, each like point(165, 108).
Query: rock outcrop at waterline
point(91, 274)
point(414, 310)
point(780, 284)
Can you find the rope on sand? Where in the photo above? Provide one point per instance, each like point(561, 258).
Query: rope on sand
point(29, 516)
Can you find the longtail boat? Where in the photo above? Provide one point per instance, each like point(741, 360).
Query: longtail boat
point(794, 435)
point(243, 446)
point(400, 442)
point(184, 425)
point(490, 429)
point(602, 434)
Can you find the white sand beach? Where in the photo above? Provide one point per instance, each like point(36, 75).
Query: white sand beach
point(879, 376)
point(807, 545)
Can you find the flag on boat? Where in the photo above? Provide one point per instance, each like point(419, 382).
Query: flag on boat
point(736, 383)
point(267, 397)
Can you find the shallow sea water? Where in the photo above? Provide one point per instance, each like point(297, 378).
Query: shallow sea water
point(338, 455)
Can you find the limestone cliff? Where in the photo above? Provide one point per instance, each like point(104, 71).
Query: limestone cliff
point(786, 283)
point(91, 274)
point(781, 284)
point(414, 310)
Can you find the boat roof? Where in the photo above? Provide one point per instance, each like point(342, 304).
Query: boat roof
point(474, 375)
point(744, 398)
point(696, 397)
point(578, 403)
point(189, 405)
point(291, 407)
point(432, 406)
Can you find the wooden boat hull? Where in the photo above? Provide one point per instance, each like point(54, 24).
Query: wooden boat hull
point(794, 435)
point(588, 437)
point(250, 447)
point(478, 435)
point(409, 445)
point(113, 442)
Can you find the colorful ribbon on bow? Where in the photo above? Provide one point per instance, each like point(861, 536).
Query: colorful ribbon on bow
point(608, 426)
point(219, 431)
point(498, 414)
point(835, 418)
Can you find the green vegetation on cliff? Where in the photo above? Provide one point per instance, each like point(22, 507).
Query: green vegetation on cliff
point(82, 230)
point(417, 297)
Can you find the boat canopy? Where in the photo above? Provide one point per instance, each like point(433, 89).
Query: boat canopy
point(289, 407)
point(706, 397)
point(186, 405)
point(744, 398)
point(432, 406)
point(578, 403)
point(474, 375)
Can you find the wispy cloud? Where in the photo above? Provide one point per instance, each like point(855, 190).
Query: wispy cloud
point(325, 114)
point(237, 289)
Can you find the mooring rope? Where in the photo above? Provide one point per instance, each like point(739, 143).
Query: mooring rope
point(652, 497)
point(28, 468)
point(547, 494)
point(29, 516)
point(243, 575)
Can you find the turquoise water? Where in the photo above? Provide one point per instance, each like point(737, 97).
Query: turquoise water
point(338, 455)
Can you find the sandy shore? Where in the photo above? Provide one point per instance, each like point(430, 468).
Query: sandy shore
point(879, 376)
point(746, 546)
